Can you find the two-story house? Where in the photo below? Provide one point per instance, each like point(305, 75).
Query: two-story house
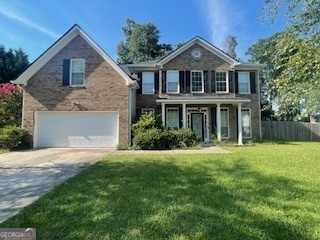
point(75, 95)
point(200, 87)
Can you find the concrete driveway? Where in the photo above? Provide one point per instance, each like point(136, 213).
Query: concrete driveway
point(26, 175)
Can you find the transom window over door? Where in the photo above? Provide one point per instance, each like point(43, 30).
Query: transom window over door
point(173, 118)
point(147, 83)
point(197, 85)
point(244, 82)
point(77, 69)
point(173, 81)
point(222, 82)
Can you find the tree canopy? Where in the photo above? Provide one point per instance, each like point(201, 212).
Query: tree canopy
point(141, 43)
point(12, 62)
point(230, 45)
point(293, 56)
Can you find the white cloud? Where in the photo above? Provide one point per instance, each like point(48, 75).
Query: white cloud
point(20, 18)
point(220, 18)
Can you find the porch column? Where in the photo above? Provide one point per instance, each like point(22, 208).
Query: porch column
point(163, 112)
point(218, 122)
point(184, 110)
point(239, 125)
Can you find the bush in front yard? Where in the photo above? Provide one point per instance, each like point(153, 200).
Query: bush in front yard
point(149, 134)
point(184, 137)
point(153, 139)
point(10, 104)
point(146, 121)
point(11, 137)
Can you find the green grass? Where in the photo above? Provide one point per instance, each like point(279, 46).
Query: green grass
point(267, 191)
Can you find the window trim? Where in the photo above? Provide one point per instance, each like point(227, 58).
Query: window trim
point(247, 109)
point(248, 82)
point(144, 110)
point(172, 108)
point(178, 84)
point(202, 81)
point(70, 72)
point(227, 81)
point(228, 117)
point(143, 79)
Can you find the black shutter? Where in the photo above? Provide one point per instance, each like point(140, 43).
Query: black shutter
point(139, 82)
point(188, 82)
point(214, 120)
point(236, 82)
point(156, 82)
point(253, 82)
point(213, 81)
point(138, 112)
point(66, 72)
point(181, 81)
point(231, 81)
point(206, 84)
point(180, 117)
point(164, 82)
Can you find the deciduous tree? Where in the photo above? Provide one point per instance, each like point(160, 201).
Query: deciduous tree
point(297, 55)
point(141, 43)
point(230, 45)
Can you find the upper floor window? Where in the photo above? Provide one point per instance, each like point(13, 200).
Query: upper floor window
point(197, 85)
point(244, 82)
point(246, 122)
point(173, 81)
point(222, 83)
point(77, 68)
point(147, 83)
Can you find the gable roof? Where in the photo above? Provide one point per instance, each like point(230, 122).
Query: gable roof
point(203, 43)
point(58, 46)
point(152, 65)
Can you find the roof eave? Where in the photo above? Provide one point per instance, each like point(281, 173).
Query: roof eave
point(205, 45)
point(58, 46)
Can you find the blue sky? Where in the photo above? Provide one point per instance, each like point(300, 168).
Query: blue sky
point(34, 25)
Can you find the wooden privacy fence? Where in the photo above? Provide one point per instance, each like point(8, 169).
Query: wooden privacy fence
point(291, 131)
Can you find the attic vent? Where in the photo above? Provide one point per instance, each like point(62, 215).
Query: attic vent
point(196, 53)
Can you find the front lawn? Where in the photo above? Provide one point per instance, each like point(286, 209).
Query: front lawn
point(267, 191)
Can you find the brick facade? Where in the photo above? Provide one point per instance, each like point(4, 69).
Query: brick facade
point(208, 62)
point(104, 90)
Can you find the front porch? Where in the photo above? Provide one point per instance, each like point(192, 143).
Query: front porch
point(207, 116)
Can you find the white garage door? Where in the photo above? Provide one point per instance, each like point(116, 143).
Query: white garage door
point(76, 129)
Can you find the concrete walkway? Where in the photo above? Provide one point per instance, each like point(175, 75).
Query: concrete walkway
point(27, 175)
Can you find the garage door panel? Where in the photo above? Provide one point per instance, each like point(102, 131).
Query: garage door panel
point(77, 129)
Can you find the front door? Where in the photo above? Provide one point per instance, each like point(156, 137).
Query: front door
point(197, 124)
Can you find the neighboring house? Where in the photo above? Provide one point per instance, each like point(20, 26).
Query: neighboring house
point(200, 87)
point(75, 95)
